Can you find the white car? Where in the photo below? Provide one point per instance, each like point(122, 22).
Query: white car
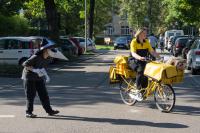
point(15, 50)
point(170, 33)
point(90, 43)
point(193, 57)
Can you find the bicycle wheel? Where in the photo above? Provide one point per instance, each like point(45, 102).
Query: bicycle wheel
point(165, 98)
point(125, 90)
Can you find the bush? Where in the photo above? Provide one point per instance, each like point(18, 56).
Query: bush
point(15, 25)
point(99, 41)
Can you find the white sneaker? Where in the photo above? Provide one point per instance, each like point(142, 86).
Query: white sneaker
point(137, 96)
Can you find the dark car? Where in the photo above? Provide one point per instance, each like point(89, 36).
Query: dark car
point(174, 40)
point(76, 42)
point(122, 42)
point(188, 46)
point(179, 45)
point(68, 47)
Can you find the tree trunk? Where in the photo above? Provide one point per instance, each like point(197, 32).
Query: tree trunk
point(52, 19)
point(91, 18)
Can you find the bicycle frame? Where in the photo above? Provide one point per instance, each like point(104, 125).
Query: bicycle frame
point(152, 86)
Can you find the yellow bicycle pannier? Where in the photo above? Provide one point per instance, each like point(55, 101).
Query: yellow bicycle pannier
point(121, 59)
point(122, 67)
point(114, 78)
point(160, 71)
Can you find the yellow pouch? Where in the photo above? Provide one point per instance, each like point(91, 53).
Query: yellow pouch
point(113, 75)
point(121, 59)
point(156, 70)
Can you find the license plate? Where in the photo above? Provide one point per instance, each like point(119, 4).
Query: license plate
point(120, 46)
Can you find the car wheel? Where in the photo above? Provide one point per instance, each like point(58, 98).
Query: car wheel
point(193, 71)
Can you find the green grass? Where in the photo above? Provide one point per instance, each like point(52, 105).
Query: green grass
point(104, 47)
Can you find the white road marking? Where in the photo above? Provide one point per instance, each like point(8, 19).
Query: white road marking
point(134, 111)
point(7, 116)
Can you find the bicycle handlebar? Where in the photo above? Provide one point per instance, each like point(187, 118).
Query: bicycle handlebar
point(149, 59)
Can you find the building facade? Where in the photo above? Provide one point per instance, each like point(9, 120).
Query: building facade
point(118, 27)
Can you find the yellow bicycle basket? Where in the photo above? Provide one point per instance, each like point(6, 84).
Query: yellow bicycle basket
point(161, 72)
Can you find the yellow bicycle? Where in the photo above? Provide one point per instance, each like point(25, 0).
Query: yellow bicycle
point(160, 79)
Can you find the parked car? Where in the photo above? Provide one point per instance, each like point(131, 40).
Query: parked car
point(90, 43)
point(170, 33)
point(68, 47)
point(81, 50)
point(122, 42)
point(187, 48)
point(16, 50)
point(179, 45)
point(193, 57)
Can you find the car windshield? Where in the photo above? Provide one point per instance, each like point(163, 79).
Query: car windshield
point(121, 39)
point(171, 34)
point(66, 42)
point(178, 34)
point(183, 41)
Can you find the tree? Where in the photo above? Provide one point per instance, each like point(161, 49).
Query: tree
point(10, 7)
point(148, 13)
point(91, 18)
point(183, 14)
point(52, 18)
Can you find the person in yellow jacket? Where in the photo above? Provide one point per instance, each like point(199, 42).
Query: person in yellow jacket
point(140, 48)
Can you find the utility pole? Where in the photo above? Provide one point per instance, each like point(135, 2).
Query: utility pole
point(149, 6)
point(112, 21)
point(85, 25)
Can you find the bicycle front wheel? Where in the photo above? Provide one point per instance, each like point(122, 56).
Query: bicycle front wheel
point(165, 98)
point(125, 90)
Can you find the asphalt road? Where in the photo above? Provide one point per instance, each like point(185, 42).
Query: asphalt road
point(88, 104)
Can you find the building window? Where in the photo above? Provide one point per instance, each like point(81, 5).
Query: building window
point(125, 30)
point(109, 30)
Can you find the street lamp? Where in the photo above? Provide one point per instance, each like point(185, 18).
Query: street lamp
point(85, 25)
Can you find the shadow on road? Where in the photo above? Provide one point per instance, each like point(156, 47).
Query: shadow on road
point(117, 121)
point(75, 84)
point(186, 110)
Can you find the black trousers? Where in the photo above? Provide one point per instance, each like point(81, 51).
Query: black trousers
point(33, 86)
point(141, 80)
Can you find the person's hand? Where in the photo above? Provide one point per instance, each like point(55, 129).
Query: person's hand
point(47, 78)
point(160, 59)
point(142, 59)
point(45, 74)
point(29, 68)
point(38, 71)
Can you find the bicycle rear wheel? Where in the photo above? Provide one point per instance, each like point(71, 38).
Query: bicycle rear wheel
point(125, 90)
point(165, 98)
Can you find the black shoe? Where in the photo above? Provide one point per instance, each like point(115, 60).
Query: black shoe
point(53, 112)
point(30, 115)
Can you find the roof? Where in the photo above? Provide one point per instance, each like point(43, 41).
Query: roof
point(19, 38)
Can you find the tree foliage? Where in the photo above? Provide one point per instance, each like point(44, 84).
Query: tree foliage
point(10, 7)
point(142, 13)
point(13, 25)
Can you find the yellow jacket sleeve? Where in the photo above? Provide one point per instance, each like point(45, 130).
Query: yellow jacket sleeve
point(133, 45)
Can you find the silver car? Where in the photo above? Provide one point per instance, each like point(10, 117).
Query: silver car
point(193, 57)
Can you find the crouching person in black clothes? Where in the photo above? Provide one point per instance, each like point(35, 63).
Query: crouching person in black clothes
point(35, 78)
